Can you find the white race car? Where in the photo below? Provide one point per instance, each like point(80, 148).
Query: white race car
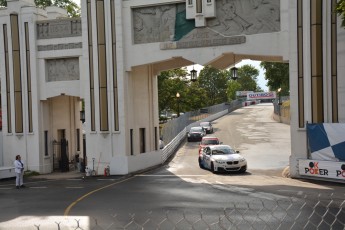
point(222, 158)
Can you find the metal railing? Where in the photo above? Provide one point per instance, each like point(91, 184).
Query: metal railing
point(173, 127)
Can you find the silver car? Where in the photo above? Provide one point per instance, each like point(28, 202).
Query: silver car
point(222, 158)
point(207, 126)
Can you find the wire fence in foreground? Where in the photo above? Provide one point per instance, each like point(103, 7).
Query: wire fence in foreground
point(294, 213)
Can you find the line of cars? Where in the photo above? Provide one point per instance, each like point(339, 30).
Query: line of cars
point(213, 154)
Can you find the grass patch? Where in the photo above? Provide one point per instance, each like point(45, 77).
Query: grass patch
point(30, 173)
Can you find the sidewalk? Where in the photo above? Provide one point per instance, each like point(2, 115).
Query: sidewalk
point(60, 175)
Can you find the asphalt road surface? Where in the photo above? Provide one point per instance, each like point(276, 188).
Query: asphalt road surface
point(180, 195)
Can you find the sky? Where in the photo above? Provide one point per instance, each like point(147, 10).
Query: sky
point(77, 1)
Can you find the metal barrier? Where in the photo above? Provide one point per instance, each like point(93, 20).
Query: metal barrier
point(314, 211)
point(173, 127)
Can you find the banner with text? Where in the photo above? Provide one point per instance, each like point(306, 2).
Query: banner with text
point(243, 93)
point(261, 95)
point(325, 169)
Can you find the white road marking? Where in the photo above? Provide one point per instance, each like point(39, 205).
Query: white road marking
point(249, 192)
point(152, 175)
point(39, 187)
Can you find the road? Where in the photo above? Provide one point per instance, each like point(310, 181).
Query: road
point(183, 196)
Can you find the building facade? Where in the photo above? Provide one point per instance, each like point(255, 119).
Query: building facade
point(106, 64)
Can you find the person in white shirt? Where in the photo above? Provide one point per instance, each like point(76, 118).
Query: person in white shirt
point(19, 170)
point(161, 143)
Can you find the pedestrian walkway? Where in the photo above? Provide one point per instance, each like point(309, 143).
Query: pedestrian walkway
point(60, 175)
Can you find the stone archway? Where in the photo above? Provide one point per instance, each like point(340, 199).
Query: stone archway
point(62, 124)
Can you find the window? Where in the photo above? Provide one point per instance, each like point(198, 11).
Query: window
point(78, 139)
point(142, 140)
point(46, 152)
point(190, 2)
point(156, 138)
point(131, 140)
point(198, 6)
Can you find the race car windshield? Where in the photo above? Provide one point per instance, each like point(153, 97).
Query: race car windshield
point(222, 151)
point(196, 129)
point(210, 142)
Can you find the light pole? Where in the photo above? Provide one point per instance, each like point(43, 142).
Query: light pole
point(178, 103)
point(234, 73)
point(279, 102)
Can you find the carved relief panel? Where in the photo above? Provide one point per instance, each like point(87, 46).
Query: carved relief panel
point(66, 69)
point(168, 23)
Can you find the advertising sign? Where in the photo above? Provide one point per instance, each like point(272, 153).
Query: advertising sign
point(261, 95)
point(243, 93)
point(325, 169)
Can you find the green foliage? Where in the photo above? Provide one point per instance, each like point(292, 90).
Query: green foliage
point(277, 76)
point(247, 77)
point(73, 10)
point(214, 82)
point(195, 97)
point(212, 87)
point(233, 86)
point(340, 9)
point(169, 83)
point(30, 173)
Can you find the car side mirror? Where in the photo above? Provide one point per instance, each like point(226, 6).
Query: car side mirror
point(237, 151)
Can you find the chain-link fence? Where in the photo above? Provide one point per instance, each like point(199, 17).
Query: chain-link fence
point(173, 127)
point(282, 110)
point(310, 212)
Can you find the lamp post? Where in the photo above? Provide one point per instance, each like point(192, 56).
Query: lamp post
point(234, 73)
point(178, 103)
point(193, 75)
point(82, 116)
point(279, 100)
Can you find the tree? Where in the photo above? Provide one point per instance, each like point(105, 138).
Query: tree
point(277, 75)
point(171, 82)
point(247, 78)
point(73, 10)
point(341, 11)
point(233, 86)
point(214, 82)
point(195, 97)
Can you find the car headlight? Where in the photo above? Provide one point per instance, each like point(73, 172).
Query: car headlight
point(220, 162)
point(242, 159)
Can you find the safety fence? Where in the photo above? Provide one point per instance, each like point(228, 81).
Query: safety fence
point(282, 111)
point(326, 211)
point(173, 127)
